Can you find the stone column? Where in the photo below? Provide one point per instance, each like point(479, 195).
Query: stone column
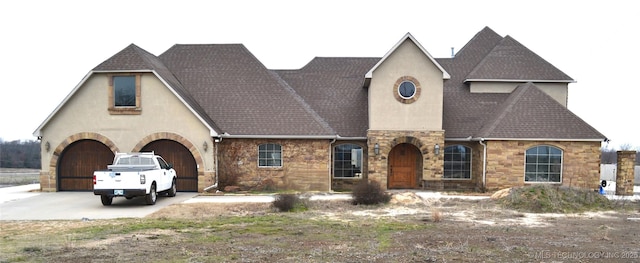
point(625, 172)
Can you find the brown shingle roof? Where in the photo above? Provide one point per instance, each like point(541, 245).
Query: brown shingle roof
point(510, 60)
point(228, 85)
point(529, 113)
point(334, 88)
point(135, 58)
point(239, 93)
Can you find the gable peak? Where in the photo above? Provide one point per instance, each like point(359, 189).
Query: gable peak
point(410, 37)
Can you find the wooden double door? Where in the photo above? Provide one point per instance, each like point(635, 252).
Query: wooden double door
point(405, 167)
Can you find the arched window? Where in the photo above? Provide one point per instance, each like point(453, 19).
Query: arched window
point(270, 155)
point(457, 162)
point(347, 161)
point(543, 164)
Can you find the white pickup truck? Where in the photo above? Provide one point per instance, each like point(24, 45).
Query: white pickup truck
point(135, 174)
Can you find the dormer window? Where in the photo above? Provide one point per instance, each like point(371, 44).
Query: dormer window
point(124, 94)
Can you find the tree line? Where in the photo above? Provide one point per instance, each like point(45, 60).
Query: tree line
point(20, 154)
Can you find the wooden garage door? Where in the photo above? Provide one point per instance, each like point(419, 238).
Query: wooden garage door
point(78, 162)
point(182, 160)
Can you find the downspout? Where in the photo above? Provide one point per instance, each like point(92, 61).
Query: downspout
point(215, 162)
point(484, 164)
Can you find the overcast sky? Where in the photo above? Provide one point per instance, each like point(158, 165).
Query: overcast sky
point(47, 47)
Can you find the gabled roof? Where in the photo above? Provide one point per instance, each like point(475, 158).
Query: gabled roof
point(509, 60)
point(529, 113)
point(135, 59)
point(490, 115)
point(409, 37)
point(240, 94)
point(333, 87)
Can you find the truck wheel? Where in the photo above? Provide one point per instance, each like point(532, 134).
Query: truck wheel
point(106, 200)
point(172, 191)
point(152, 196)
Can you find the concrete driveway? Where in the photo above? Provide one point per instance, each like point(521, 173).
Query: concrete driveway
point(20, 203)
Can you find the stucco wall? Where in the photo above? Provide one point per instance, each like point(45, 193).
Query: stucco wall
point(505, 163)
point(87, 112)
point(306, 165)
point(386, 112)
point(558, 91)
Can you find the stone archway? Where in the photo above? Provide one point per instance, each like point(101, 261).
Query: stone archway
point(181, 152)
point(405, 167)
point(60, 149)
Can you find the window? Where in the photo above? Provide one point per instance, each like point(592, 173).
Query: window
point(124, 91)
point(457, 162)
point(270, 155)
point(407, 89)
point(347, 161)
point(543, 164)
point(124, 94)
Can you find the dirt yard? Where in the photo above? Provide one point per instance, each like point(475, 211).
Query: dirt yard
point(408, 229)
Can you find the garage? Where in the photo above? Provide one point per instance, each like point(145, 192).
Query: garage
point(182, 160)
point(77, 163)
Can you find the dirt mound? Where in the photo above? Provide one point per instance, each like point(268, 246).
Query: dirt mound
point(407, 198)
point(554, 199)
point(501, 194)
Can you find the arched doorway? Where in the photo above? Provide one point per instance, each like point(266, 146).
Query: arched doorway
point(77, 163)
point(405, 167)
point(182, 160)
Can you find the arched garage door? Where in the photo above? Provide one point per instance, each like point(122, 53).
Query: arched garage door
point(78, 162)
point(182, 160)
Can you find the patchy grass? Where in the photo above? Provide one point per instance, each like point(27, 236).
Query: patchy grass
point(555, 199)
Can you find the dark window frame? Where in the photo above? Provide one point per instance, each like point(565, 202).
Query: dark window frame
point(129, 108)
point(457, 164)
point(343, 161)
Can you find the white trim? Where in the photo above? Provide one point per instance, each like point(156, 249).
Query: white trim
point(541, 139)
point(229, 136)
point(415, 90)
point(212, 132)
point(38, 133)
point(445, 75)
point(520, 80)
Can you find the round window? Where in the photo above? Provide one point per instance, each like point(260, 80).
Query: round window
point(407, 89)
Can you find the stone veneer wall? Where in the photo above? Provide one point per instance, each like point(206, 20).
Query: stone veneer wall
point(625, 172)
point(424, 140)
point(347, 184)
point(305, 165)
point(505, 166)
point(475, 183)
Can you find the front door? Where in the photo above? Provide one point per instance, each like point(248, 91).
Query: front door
point(403, 166)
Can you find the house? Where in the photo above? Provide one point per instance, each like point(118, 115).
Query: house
point(494, 115)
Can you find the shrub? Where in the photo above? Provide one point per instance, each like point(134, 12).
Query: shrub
point(368, 192)
point(289, 203)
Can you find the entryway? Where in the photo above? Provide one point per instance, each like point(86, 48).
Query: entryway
point(405, 167)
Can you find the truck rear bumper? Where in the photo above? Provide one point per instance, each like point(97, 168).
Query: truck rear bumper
point(125, 192)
